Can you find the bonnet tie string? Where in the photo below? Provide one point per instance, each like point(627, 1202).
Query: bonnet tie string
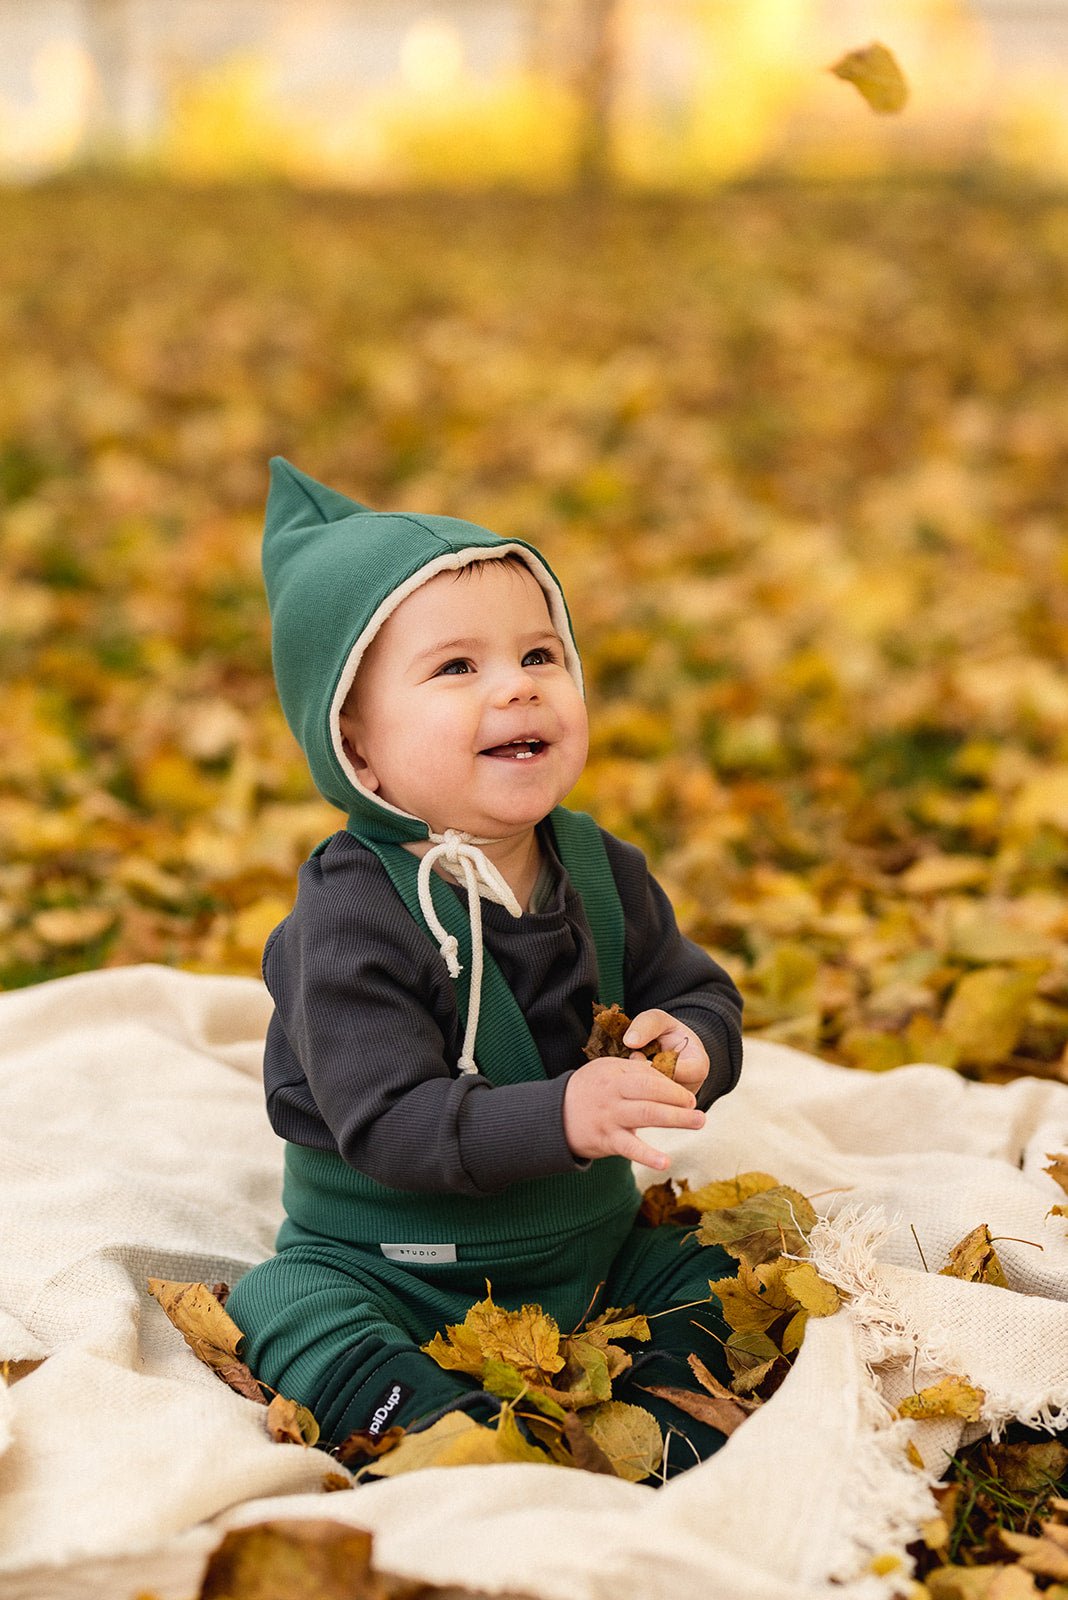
point(465, 862)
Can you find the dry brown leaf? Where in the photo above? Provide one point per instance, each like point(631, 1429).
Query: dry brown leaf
point(875, 72)
point(769, 1224)
point(360, 1446)
point(667, 1202)
point(585, 1451)
point(726, 1413)
point(209, 1331)
point(974, 1259)
point(1058, 1168)
point(288, 1422)
point(949, 1397)
point(629, 1436)
point(334, 1482)
point(1027, 1468)
point(316, 1558)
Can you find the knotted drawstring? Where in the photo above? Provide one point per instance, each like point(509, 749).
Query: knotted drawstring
point(464, 860)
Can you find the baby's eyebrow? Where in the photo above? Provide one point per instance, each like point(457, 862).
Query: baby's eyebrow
point(447, 645)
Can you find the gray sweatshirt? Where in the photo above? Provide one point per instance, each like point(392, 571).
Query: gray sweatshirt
point(361, 1049)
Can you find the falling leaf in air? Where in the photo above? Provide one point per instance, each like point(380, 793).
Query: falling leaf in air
point(974, 1259)
point(875, 73)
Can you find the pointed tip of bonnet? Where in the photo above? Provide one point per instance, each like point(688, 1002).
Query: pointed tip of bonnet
point(297, 500)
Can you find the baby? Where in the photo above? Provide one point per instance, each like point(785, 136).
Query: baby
point(434, 985)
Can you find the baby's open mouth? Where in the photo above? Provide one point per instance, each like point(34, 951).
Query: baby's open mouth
point(516, 750)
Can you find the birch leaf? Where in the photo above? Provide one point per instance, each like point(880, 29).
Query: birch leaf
point(629, 1436)
point(208, 1330)
point(974, 1259)
point(875, 73)
point(949, 1397)
point(813, 1293)
point(771, 1223)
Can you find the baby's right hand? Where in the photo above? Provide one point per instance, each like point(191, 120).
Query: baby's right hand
point(607, 1099)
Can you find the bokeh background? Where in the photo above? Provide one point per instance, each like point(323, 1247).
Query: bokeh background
point(779, 385)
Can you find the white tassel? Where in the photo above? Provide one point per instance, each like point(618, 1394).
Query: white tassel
point(464, 861)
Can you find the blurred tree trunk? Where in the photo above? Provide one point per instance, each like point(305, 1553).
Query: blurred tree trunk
point(595, 79)
point(108, 39)
point(578, 40)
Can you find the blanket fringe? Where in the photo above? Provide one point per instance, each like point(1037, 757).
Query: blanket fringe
point(893, 1496)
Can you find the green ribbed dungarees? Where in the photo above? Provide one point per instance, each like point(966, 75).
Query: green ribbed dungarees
point(334, 1323)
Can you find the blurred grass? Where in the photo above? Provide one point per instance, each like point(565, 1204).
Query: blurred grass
point(797, 452)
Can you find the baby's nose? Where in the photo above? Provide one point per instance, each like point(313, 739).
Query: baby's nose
point(518, 685)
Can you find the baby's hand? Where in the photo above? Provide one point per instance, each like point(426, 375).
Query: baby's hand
point(607, 1099)
point(691, 1067)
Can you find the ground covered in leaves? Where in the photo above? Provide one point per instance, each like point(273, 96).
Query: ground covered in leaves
point(797, 453)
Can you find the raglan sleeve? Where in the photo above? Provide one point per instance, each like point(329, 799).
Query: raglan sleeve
point(365, 1028)
point(664, 970)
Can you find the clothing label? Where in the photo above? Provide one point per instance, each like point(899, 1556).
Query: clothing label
point(390, 1400)
point(419, 1252)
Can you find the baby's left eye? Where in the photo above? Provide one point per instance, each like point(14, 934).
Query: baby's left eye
point(543, 656)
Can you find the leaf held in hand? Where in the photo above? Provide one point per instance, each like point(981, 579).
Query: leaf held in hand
point(875, 73)
point(949, 1397)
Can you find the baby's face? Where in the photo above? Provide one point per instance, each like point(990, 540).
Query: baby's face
point(463, 712)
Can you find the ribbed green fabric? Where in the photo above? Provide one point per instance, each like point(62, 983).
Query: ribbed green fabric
point(322, 1194)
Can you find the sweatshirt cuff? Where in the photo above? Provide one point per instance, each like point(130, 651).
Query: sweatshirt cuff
point(515, 1131)
point(723, 1045)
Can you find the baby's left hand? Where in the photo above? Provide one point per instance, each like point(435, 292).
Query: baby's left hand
point(691, 1067)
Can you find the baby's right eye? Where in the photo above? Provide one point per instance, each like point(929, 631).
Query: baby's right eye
point(452, 668)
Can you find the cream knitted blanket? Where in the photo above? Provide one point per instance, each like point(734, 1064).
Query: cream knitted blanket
point(133, 1143)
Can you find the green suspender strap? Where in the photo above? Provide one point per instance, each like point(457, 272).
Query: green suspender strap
point(323, 1195)
point(504, 1049)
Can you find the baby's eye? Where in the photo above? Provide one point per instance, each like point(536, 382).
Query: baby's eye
point(543, 656)
point(453, 668)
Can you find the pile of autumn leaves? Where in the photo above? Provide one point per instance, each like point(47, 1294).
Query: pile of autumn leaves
point(556, 1388)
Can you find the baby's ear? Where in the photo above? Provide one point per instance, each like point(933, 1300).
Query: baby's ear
point(348, 743)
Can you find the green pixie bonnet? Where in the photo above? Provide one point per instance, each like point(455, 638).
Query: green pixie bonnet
point(334, 571)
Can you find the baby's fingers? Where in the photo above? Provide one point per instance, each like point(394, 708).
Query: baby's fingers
point(653, 1114)
point(635, 1149)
